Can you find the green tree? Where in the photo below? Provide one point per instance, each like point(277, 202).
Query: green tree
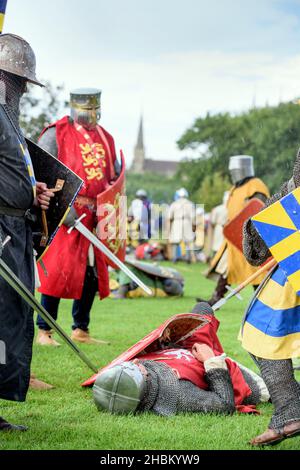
point(270, 134)
point(160, 189)
point(41, 107)
point(211, 191)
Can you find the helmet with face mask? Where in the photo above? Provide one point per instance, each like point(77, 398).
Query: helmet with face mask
point(120, 389)
point(240, 167)
point(86, 107)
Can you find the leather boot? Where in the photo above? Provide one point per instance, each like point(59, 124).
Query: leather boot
point(219, 292)
point(7, 427)
point(36, 384)
point(82, 336)
point(44, 338)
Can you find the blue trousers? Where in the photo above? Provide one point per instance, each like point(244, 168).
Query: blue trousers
point(81, 307)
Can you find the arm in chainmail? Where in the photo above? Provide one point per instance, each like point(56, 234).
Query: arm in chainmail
point(48, 141)
point(218, 399)
point(255, 250)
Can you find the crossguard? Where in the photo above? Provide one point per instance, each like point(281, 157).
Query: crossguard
point(237, 295)
point(77, 221)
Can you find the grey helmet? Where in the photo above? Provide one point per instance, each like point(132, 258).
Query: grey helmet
point(17, 57)
point(141, 193)
point(182, 193)
point(241, 167)
point(86, 106)
point(120, 388)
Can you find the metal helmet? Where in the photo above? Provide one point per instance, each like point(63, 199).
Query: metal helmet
point(86, 106)
point(17, 57)
point(141, 193)
point(120, 389)
point(181, 193)
point(240, 167)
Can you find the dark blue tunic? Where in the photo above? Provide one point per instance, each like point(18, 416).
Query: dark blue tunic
point(16, 317)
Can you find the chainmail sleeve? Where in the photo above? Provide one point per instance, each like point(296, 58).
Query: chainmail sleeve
point(218, 399)
point(255, 250)
point(48, 141)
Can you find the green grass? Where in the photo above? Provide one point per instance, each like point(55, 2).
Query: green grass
point(66, 418)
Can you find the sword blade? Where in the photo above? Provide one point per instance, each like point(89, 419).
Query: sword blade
point(29, 298)
point(101, 247)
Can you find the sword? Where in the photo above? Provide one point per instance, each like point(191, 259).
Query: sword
point(234, 292)
point(29, 298)
point(78, 225)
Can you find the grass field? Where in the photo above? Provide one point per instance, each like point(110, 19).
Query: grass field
point(66, 418)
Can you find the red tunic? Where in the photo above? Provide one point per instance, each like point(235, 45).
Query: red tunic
point(66, 258)
point(187, 367)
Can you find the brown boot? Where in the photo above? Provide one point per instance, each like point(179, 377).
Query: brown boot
point(37, 384)
point(82, 336)
point(44, 338)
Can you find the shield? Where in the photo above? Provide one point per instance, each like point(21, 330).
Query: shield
point(155, 270)
point(66, 184)
point(112, 217)
point(233, 230)
point(173, 330)
point(279, 227)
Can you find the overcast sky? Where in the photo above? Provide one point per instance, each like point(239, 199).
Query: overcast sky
point(172, 60)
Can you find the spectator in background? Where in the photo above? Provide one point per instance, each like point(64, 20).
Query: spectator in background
point(182, 220)
point(139, 214)
point(218, 219)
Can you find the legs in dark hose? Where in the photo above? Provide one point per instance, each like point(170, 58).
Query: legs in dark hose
point(44, 337)
point(51, 304)
point(82, 307)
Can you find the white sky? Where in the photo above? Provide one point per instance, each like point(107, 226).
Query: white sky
point(173, 60)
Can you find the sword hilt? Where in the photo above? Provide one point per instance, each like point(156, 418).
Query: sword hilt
point(77, 221)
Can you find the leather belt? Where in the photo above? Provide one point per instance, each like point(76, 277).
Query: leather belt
point(12, 212)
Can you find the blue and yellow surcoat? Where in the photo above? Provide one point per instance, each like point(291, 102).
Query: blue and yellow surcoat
point(271, 328)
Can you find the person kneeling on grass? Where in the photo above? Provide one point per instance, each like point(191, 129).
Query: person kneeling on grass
point(192, 376)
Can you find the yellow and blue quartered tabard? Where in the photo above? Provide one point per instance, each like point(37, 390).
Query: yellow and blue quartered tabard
point(279, 225)
point(2, 13)
point(29, 166)
point(271, 328)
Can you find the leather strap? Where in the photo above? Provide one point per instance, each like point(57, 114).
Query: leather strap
point(12, 212)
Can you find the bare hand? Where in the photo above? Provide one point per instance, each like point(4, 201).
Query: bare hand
point(202, 352)
point(43, 196)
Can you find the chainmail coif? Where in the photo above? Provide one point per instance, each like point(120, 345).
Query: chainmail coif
point(162, 391)
point(12, 89)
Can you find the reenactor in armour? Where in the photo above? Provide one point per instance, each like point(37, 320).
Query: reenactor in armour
point(19, 193)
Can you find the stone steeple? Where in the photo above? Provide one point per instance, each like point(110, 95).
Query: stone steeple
point(138, 164)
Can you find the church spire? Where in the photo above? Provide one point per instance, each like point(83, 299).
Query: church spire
point(139, 151)
point(140, 140)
